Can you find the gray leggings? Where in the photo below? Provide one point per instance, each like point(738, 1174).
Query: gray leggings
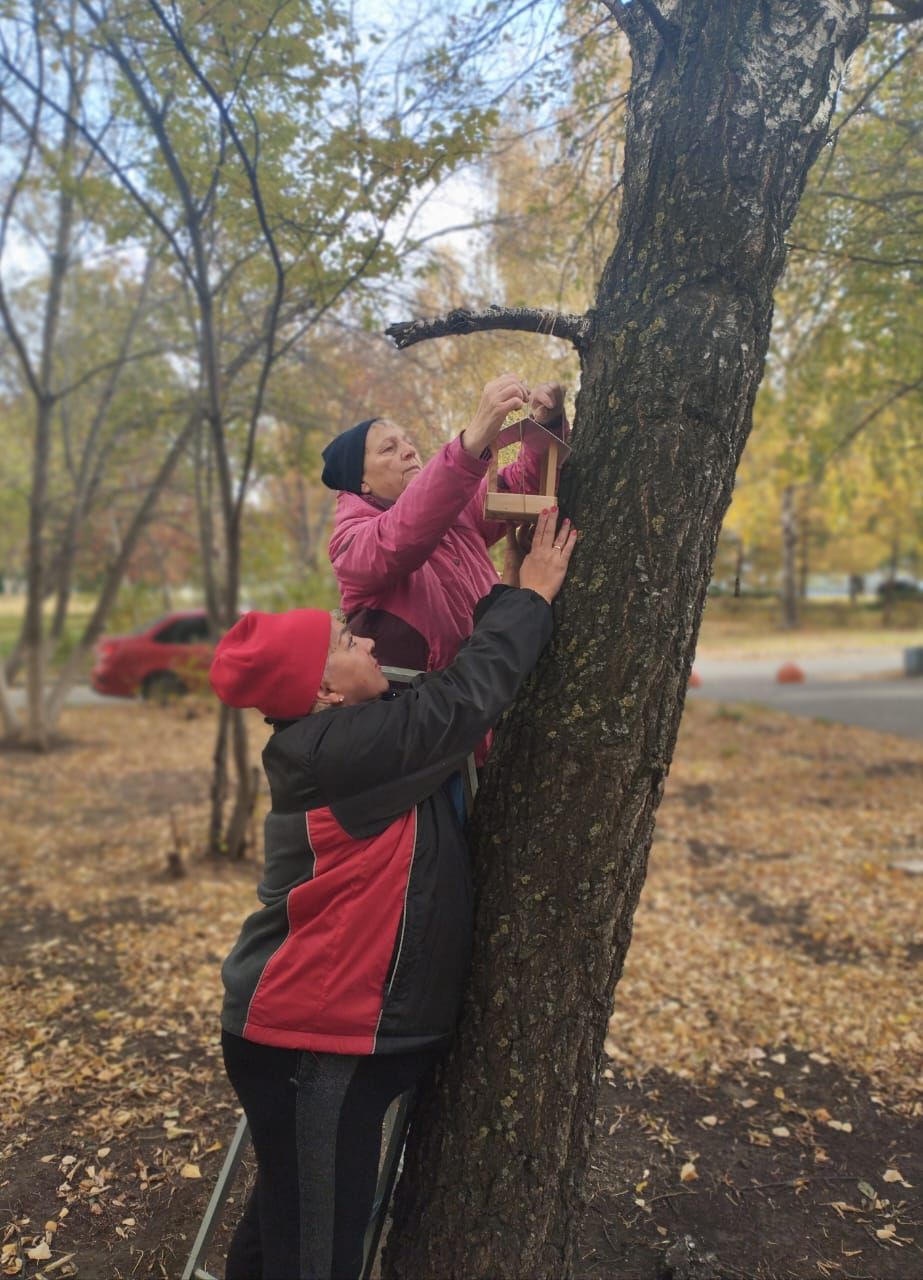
point(315, 1120)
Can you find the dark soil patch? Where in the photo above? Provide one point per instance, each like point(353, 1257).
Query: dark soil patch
point(895, 769)
point(692, 794)
point(811, 1203)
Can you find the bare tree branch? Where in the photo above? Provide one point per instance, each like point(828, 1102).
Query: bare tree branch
point(841, 256)
point(630, 18)
point(905, 389)
point(575, 329)
point(904, 11)
point(249, 164)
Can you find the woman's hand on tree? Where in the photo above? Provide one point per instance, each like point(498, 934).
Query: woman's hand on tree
point(500, 397)
point(518, 545)
point(545, 567)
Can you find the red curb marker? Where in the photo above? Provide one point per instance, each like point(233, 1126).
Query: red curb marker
point(790, 673)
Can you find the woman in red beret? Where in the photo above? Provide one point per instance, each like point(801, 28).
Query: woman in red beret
point(344, 988)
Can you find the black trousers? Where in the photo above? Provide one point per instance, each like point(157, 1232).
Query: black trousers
point(315, 1120)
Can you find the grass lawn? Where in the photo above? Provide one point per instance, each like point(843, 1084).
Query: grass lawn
point(764, 1051)
point(748, 628)
point(11, 615)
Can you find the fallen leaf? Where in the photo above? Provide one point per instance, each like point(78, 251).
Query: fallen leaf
point(780, 1131)
point(40, 1253)
point(190, 1171)
point(688, 1173)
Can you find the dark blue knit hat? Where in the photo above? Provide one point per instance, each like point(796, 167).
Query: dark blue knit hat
point(344, 458)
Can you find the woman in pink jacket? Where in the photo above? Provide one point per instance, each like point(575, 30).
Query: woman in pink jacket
point(410, 542)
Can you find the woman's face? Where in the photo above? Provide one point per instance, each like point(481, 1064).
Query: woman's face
point(352, 673)
point(391, 461)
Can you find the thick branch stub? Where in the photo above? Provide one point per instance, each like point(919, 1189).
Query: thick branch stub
point(634, 17)
point(551, 324)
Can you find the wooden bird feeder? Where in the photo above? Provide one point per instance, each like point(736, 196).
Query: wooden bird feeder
point(525, 508)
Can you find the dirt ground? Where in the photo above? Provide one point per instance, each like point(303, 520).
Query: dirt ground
point(759, 1116)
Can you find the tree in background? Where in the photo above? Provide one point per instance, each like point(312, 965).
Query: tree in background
point(844, 390)
point(270, 168)
point(70, 384)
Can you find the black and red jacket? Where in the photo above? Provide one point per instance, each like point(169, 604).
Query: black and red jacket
point(363, 942)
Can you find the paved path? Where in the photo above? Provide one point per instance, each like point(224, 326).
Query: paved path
point(848, 688)
point(830, 666)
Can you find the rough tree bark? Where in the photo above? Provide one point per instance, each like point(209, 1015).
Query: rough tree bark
point(729, 106)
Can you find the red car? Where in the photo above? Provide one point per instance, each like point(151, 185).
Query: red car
point(165, 659)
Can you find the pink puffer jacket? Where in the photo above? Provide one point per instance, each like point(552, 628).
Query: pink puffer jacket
point(410, 572)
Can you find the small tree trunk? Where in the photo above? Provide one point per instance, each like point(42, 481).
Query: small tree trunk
point(116, 574)
point(887, 616)
point(739, 568)
point(789, 549)
point(35, 732)
point(12, 666)
point(804, 540)
point(238, 833)
point(218, 788)
point(12, 725)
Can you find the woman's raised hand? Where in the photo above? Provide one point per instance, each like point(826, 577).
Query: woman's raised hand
point(547, 403)
point(501, 396)
point(545, 567)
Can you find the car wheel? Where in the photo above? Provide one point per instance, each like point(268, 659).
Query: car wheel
point(162, 687)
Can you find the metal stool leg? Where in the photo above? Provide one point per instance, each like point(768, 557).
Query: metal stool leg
point(387, 1177)
point(194, 1269)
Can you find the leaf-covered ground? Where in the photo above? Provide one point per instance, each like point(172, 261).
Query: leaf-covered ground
point(759, 1115)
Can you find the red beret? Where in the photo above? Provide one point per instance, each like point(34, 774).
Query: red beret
point(273, 661)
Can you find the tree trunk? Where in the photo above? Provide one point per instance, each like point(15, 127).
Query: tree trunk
point(739, 568)
point(115, 575)
point(35, 733)
point(889, 593)
point(218, 786)
point(237, 839)
point(728, 108)
point(804, 547)
point(789, 523)
point(8, 717)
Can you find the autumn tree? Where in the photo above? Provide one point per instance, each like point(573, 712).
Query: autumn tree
point(844, 389)
point(271, 166)
point(728, 108)
point(80, 345)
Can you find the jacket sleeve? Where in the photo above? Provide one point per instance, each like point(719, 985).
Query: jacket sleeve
point(369, 550)
point(375, 761)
